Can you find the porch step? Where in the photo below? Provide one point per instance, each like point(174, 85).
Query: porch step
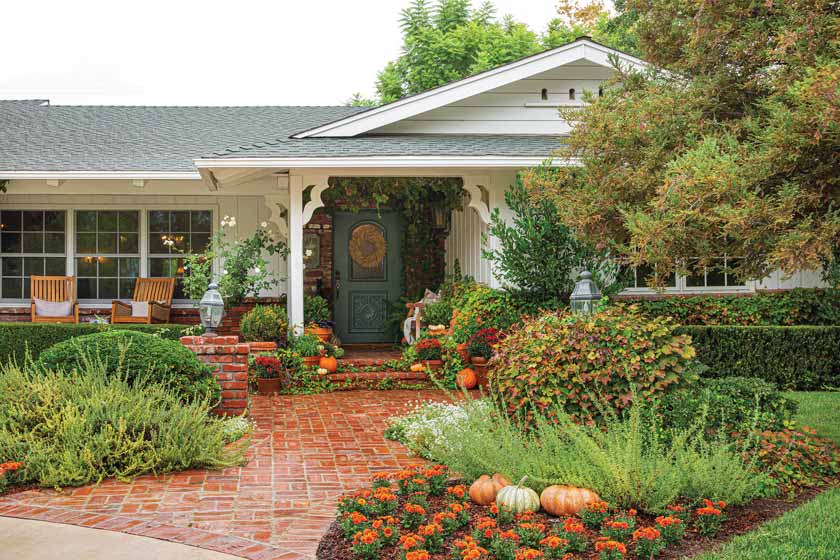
point(407, 376)
point(371, 361)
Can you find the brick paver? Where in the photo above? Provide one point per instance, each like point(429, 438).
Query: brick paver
point(306, 451)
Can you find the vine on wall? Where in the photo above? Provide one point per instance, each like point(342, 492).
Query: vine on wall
point(415, 198)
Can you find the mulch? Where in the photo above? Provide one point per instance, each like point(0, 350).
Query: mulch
point(739, 520)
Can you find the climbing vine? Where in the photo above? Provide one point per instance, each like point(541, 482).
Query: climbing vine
point(3, 183)
point(415, 198)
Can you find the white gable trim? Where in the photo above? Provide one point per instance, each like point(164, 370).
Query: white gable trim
point(474, 85)
point(386, 162)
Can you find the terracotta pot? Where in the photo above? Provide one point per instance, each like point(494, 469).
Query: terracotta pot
point(462, 351)
point(433, 365)
point(311, 361)
point(257, 347)
point(323, 333)
point(268, 386)
point(479, 365)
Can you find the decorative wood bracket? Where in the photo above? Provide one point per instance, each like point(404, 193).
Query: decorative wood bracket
point(319, 184)
point(278, 206)
point(479, 195)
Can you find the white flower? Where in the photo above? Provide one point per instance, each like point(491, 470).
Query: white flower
point(224, 271)
point(309, 252)
point(263, 225)
point(168, 242)
point(232, 222)
point(257, 270)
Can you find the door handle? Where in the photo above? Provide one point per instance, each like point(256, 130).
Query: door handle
point(336, 283)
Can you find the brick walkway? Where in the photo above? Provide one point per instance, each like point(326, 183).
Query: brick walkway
point(306, 451)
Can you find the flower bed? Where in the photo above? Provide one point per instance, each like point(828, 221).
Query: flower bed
point(420, 514)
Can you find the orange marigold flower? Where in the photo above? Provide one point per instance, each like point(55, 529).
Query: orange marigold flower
point(632, 512)
point(387, 531)
point(528, 554)
point(617, 525)
point(509, 535)
point(456, 508)
point(571, 525)
point(494, 509)
point(610, 545)
point(357, 518)
point(417, 555)
point(599, 506)
point(554, 542)
point(410, 540)
point(646, 533)
point(666, 521)
point(415, 508)
point(429, 530)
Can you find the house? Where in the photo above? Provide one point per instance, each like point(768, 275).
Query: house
point(93, 191)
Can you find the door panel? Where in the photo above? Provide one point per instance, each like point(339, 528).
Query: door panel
point(367, 269)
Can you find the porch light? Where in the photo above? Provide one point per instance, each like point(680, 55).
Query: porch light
point(585, 295)
point(211, 309)
point(440, 219)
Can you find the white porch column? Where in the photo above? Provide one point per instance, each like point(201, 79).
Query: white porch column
point(299, 216)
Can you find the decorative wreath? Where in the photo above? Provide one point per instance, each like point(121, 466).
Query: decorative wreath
point(367, 246)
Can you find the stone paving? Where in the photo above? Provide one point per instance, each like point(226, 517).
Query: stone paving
point(306, 451)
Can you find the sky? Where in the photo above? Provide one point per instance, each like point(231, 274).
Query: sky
point(208, 52)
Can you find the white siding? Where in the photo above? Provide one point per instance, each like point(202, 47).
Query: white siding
point(465, 244)
point(517, 108)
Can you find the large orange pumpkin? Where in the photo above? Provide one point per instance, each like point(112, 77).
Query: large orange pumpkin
point(329, 363)
point(566, 500)
point(483, 491)
point(466, 378)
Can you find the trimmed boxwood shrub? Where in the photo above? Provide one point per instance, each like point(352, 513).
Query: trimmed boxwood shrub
point(17, 338)
point(136, 355)
point(569, 360)
point(730, 403)
point(802, 358)
point(802, 306)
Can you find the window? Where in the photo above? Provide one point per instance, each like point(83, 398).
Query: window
point(32, 242)
point(107, 253)
point(718, 275)
point(572, 94)
point(172, 234)
point(640, 275)
point(544, 94)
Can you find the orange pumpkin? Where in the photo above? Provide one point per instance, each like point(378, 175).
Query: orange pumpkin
point(418, 367)
point(483, 491)
point(466, 378)
point(329, 363)
point(566, 500)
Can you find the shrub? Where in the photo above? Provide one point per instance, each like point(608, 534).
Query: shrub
point(437, 313)
point(631, 463)
point(306, 345)
point(316, 310)
point(18, 338)
point(479, 306)
point(575, 361)
point(802, 358)
point(796, 458)
point(426, 422)
point(81, 429)
point(136, 356)
point(483, 342)
point(265, 323)
point(428, 349)
point(800, 306)
point(729, 403)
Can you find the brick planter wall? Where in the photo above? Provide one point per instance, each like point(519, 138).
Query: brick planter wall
point(229, 360)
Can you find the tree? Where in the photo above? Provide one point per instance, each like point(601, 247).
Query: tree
point(450, 40)
point(730, 146)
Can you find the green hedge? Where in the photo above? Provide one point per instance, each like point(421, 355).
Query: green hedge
point(802, 358)
point(16, 338)
point(792, 307)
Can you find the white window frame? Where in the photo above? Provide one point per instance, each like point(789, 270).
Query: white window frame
point(681, 287)
point(24, 208)
point(70, 237)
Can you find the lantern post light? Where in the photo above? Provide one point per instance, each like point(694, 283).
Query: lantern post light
point(211, 309)
point(585, 295)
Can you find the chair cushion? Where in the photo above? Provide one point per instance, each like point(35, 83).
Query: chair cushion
point(44, 308)
point(139, 308)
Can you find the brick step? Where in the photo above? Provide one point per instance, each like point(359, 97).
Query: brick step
point(379, 376)
point(365, 362)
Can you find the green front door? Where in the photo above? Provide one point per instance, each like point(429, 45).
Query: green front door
point(367, 269)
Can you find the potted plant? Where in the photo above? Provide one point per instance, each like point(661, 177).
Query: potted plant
point(436, 315)
point(268, 369)
point(308, 347)
point(265, 328)
point(481, 347)
point(429, 353)
point(330, 357)
point(317, 317)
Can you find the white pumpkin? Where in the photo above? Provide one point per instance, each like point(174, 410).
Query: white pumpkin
point(518, 499)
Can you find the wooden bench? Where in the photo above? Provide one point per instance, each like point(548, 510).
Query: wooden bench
point(157, 292)
point(55, 289)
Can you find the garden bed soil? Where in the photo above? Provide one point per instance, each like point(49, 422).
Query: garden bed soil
point(740, 519)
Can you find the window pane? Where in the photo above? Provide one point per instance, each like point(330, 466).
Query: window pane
point(107, 267)
point(107, 221)
point(33, 266)
point(180, 221)
point(715, 276)
point(10, 242)
point(731, 278)
point(86, 266)
point(159, 220)
point(12, 266)
point(129, 268)
point(11, 220)
point(86, 243)
point(54, 221)
point(201, 221)
point(33, 221)
point(55, 266)
point(130, 221)
point(106, 242)
point(129, 242)
point(54, 243)
point(33, 242)
point(12, 288)
point(200, 242)
point(85, 220)
point(695, 278)
point(156, 243)
point(108, 288)
point(86, 288)
point(126, 288)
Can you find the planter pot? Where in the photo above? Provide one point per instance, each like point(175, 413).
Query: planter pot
point(311, 361)
point(258, 347)
point(268, 386)
point(323, 333)
point(479, 365)
point(433, 365)
point(462, 351)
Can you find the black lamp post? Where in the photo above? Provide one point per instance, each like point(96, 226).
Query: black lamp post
point(585, 295)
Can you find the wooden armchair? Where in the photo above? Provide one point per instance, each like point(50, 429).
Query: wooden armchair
point(156, 293)
point(54, 289)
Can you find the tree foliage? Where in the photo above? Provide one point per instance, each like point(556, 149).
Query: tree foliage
point(732, 146)
point(449, 40)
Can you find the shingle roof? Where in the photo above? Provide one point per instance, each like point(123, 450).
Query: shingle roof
point(35, 136)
